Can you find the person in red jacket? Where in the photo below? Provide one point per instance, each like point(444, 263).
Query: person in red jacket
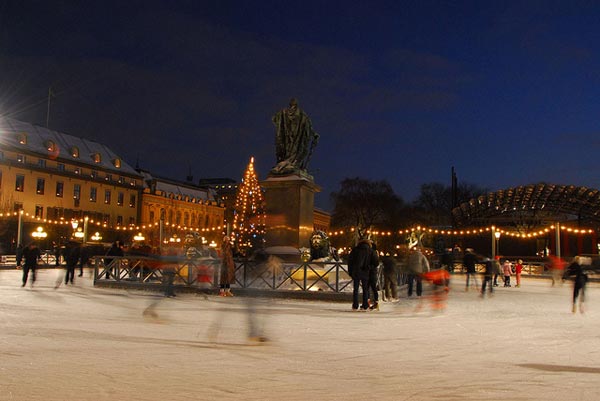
point(518, 270)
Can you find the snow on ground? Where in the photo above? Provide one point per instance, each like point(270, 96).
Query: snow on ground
point(83, 343)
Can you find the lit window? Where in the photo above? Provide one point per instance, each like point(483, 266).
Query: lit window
point(107, 196)
point(77, 170)
point(93, 194)
point(60, 188)
point(22, 138)
point(96, 158)
point(132, 201)
point(117, 162)
point(94, 174)
point(50, 146)
point(41, 184)
point(121, 180)
point(39, 211)
point(108, 177)
point(74, 152)
point(120, 198)
point(20, 183)
point(20, 159)
point(119, 220)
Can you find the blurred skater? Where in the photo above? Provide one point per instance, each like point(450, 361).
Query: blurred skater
point(487, 276)
point(417, 265)
point(440, 281)
point(390, 279)
point(72, 255)
point(576, 269)
point(497, 269)
point(558, 268)
point(227, 269)
point(19, 254)
point(374, 277)
point(507, 270)
point(469, 261)
point(31, 254)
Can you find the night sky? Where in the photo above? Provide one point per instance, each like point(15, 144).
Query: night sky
point(507, 93)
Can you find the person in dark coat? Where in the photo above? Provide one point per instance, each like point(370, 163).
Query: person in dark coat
point(31, 254)
point(374, 277)
point(575, 269)
point(72, 256)
point(358, 268)
point(487, 276)
point(469, 261)
point(116, 249)
point(390, 279)
point(227, 268)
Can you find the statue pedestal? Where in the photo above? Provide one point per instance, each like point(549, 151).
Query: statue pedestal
point(290, 202)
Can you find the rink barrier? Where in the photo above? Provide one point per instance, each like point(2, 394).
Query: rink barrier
point(204, 273)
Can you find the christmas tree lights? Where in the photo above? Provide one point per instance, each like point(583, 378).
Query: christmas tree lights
point(249, 213)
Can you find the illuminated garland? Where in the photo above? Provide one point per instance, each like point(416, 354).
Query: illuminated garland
point(62, 221)
point(472, 231)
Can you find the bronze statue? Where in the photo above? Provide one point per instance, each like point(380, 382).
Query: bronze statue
point(295, 140)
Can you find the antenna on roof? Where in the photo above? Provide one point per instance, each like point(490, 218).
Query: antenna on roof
point(190, 177)
point(50, 96)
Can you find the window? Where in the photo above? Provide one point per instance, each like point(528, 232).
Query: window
point(17, 206)
point(96, 158)
point(131, 200)
point(132, 221)
point(121, 180)
point(60, 188)
point(119, 220)
point(50, 146)
point(39, 188)
point(60, 167)
point(20, 159)
point(94, 174)
point(178, 218)
point(93, 194)
point(132, 183)
point(107, 196)
point(108, 177)
point(20, 183)
point(39, 211)
point(105, 218)
point(76, 194)
point(42, 163)
point(22, 138)
point(117, 163)
point(75, 152)
point(151, 216)
point(77, 170)
point(120, 198)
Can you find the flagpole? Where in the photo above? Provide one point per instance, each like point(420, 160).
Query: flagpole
point(48, 110)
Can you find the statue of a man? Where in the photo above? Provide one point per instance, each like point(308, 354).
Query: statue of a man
point(295, 139)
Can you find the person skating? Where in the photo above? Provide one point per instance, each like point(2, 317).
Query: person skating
point(417, 265)
point(31, 254)
point(469, 263)
point(507, 271)
point(575, 269)
point(227, 268)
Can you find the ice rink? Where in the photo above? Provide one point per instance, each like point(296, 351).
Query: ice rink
point(84, 343)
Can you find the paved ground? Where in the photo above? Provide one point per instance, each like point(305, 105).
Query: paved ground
point(83, 343)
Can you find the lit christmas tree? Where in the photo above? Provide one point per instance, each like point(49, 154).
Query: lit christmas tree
point(249, 213)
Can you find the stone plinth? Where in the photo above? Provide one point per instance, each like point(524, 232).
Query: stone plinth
point(290, 202)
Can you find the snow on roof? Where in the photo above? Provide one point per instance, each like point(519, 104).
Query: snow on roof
point(67, 147)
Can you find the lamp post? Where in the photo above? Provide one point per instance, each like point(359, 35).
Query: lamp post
point(497, 239)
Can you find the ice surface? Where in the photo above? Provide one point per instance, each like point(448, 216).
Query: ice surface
point(83, 343)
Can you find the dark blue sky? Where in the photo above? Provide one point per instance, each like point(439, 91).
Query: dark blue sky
point(507, 92)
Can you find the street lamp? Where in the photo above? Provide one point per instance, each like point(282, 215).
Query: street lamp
point(39, 233)
point(497, 235)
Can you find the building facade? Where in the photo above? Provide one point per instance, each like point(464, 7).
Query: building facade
point(52, 176)
point(183, 207)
